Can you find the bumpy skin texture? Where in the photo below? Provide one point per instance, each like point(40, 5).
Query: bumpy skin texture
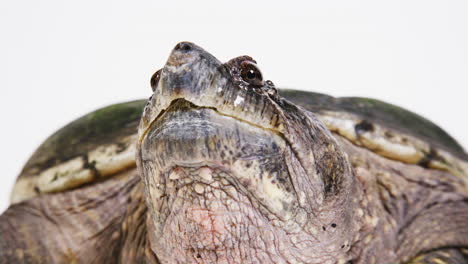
point(102, 223)
point(230, 172)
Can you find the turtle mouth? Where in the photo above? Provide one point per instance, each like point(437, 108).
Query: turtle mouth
point(200, 116)
point(249, 157)
point(195, 76)
point(182, 103)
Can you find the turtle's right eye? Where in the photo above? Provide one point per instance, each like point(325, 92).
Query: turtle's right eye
point(155, 79)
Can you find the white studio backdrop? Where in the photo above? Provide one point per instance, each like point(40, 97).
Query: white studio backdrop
point(61, 59)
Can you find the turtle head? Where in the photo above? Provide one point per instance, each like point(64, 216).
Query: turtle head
point(234, 172)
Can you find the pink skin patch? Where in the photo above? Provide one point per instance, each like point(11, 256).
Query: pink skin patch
point(211, 224)
point(209, 221)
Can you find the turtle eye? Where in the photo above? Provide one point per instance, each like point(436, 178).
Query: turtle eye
point(155, 79)
point(251, 74)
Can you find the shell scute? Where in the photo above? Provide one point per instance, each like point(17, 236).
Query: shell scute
point(96, 145)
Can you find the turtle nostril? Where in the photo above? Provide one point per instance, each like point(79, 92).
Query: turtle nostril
point(184, 46)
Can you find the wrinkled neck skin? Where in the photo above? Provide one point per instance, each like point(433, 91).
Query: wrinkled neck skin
point(233, 175)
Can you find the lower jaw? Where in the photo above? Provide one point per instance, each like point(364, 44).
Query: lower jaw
point(209, 221)
point(195, 233)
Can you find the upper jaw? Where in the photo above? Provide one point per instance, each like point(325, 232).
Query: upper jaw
point(198, 77)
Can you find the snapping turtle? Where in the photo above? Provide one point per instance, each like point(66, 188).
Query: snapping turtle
point(225, 168)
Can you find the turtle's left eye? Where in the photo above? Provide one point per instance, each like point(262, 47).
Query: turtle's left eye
point(251, 74)
point(155, 79)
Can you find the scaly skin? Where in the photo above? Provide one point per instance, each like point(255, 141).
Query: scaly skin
point(229, 172)
point(408, 210)
point(102, 223)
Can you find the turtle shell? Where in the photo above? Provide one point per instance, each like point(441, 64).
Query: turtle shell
point(102, 143)
point(386, 129)
point(382, 113)
point(88, 149)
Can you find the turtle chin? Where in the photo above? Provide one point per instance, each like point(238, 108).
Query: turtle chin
point(213, 183)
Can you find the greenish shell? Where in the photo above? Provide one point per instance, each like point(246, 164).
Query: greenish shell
point(94, 146)
point(387, 130)
point(375, 111)
point(102, 143)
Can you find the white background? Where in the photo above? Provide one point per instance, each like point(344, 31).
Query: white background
point(61, 59)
